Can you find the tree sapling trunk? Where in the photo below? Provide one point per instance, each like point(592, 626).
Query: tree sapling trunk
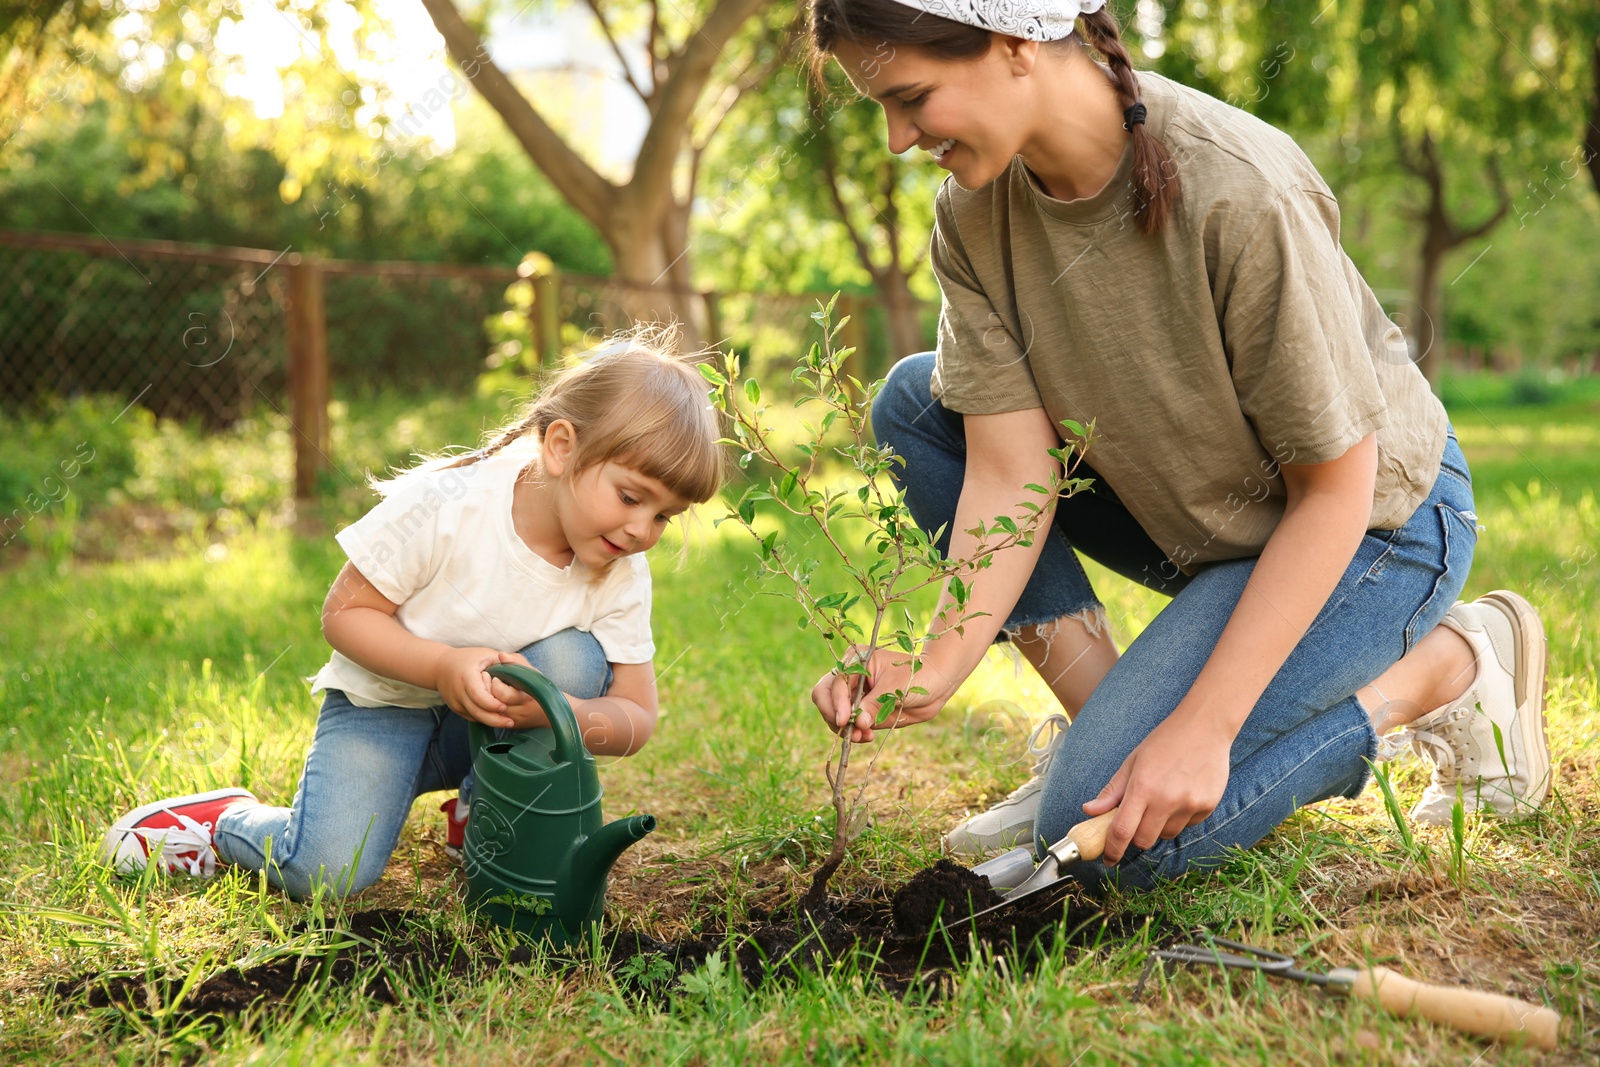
point(881, 570)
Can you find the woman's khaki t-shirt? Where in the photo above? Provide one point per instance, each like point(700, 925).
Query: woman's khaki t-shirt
point(1237, 338)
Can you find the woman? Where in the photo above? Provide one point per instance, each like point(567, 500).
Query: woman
point(1119, 248)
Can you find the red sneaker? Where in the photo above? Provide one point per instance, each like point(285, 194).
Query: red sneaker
point(176, 833)
point(455, 827)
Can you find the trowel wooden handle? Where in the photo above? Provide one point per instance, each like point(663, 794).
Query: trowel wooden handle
point(1486, 1014)
point(1090, 835)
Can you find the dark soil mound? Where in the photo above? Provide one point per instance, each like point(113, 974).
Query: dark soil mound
point(903, 941)
point(946, 891)
point(379, 947)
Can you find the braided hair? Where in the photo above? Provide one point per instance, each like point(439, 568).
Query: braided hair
point(1154, 177)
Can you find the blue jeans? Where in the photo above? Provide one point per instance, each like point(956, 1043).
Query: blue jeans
point(365, 767)
point(1306, 739)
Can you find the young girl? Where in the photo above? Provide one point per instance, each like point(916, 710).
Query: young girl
point(528, 551)
point(1119, 248)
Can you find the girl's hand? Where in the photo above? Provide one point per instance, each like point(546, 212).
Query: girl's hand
point(469, 692)
point(1172, 780)
point(521, 707)
point(839, 699)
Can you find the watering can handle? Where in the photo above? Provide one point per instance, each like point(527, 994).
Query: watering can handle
point(569, 743)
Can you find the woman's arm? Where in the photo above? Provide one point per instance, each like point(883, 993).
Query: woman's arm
point(1005, 453)
point(1176, 776)
point(359, 622)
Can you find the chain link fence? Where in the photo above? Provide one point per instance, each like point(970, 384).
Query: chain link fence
point(194, 332)
point(184, 332)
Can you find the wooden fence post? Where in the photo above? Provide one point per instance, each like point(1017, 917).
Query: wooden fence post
point(308, 372)
point(714, 336)
point(546, 311)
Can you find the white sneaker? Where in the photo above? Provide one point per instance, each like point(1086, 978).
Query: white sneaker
point(1510, 773)
point(1010, 822)
point(174, 833)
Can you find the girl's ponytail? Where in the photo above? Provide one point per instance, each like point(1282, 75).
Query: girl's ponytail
point(1155, 176)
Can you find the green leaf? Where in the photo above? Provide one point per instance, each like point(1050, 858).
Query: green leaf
point(747, 510)
point(786, 486)
point(1006, 523)
point(752, 391)
point(711, 374)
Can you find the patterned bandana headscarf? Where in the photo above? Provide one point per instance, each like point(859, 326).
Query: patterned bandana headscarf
point(1035, 20)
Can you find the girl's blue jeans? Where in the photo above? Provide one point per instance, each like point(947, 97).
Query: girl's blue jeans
point(365, 767)
point(1306, 739)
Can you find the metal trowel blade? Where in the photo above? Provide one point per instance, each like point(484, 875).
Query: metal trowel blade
point(1045, 876)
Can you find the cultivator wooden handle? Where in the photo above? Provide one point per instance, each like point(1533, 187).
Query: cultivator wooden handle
point(1488, 1015)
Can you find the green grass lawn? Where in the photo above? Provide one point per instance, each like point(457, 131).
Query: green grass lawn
point(127, 679)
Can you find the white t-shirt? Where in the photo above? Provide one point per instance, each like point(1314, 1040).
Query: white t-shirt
point(442, 545)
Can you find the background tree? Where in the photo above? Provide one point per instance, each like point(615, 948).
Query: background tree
point(1591, 131)
point(829, 206)
point(1459, 116)
point(1470, 97)
point(701, 58)
point(38, 42)
point(883, 202)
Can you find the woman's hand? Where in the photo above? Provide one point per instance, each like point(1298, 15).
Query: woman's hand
point(888, 671)
point(1171, 781)
point(472, 694)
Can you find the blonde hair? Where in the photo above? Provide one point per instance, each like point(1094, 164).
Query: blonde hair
point(634, 401)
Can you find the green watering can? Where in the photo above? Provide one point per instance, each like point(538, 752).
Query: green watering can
point(536, 850)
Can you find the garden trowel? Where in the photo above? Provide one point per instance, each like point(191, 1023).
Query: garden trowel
point(1015, 875)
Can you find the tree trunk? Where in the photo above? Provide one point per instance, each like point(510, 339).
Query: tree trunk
point(892, 278)
point(642, 222)
point(649, 285)
point(1440, 234)
point(688, 308)
point(900, 308)
point(1426, 333)
point(1591, 133)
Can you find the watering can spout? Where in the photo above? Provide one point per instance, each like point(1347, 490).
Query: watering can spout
point(591, 862)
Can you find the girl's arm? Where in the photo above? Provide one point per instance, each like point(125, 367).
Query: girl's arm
point(615, 724)
point(621, 721)
point(359, 622)
point(1176, 776)
point(1005, 453)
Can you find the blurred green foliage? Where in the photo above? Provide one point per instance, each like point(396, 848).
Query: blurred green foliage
point(1353, 83)
point(482, 203)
